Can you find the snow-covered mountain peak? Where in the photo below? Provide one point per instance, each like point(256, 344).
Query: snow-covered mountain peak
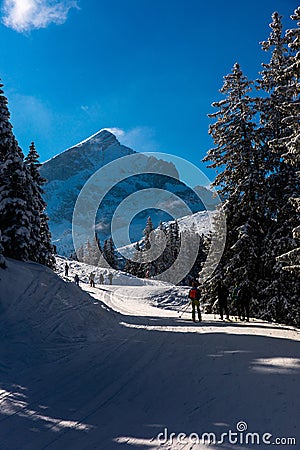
point(68, 172)
point(103, 138)
point(89, 155)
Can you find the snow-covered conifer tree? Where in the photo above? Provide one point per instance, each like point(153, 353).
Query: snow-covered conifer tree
point(15, 185)
point(23, 222)
point(238, 156)
point(109, 252)
point(41, 249)
point(276, 290)
point(147, 231)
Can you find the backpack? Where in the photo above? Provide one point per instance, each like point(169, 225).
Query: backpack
point(194, 294)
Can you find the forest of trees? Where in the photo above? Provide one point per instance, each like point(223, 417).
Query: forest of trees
point(256, 152)
point(135, 263)
point(23, 222)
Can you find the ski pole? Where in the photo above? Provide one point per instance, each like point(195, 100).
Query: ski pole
point(183, 310)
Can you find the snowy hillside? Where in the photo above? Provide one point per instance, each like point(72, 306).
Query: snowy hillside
point(200, 222)
point(67, 173)
point(83, 271)
point(44, 317)
point(104, 368)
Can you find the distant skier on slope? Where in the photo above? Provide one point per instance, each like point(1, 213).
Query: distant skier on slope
point(101, 278)
point(110, 277)
point(92, 279)
point(66, 269)
point(76, 279)
point(194, 296)
point(222, 293)
point(241, 302)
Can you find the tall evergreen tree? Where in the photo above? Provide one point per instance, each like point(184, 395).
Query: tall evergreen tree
point(275, 288)
point(291, 259)
point(15, 194)
point(109, 253)
point(292, 156)
point(6, 134)
point(41, 249)
point(238, 155)
point(14, 218)
point(23, 222)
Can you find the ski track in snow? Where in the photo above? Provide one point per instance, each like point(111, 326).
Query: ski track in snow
point(110, 367)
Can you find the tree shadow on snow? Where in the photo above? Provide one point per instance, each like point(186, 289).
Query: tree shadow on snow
point(155, 374)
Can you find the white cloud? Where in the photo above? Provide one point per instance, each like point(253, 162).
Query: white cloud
point(140, 139)
point(25, 15)
point(116, 131)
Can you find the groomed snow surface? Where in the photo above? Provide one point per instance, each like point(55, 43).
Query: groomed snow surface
point(114, 367)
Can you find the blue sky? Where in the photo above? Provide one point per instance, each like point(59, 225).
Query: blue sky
point(149, 68)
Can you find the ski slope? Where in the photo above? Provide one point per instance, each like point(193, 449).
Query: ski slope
point(112, 367)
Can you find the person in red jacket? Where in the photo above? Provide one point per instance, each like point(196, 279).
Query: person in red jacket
point(194, 296)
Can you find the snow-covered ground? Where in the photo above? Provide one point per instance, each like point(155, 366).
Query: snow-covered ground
point(105, 368)
point(84, 270)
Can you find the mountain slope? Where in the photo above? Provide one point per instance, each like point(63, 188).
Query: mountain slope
point(68, 172)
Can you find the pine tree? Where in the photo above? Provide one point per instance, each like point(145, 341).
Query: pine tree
point(109, 253)
point(6, 134)
point(238, 155)
point(80, 254)
point(173, 241)
point(291, 259)
point(292, 156)
point(92, 253)
point(275, 289)
point(41, 249)
point(87, 252)
point(14, 190)
point(23, 222)
point(135, 266)
point(147, 231)
point(15, 194)
point(193, 240)
point(163, 262)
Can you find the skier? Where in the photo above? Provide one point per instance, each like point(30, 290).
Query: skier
point(101, 278)
point(243, 304)
point(222, 293)
point(66, 269)
point(110, 277)
point(241, 301)
point(92, 279)
point(194, 296)
point(76, 279)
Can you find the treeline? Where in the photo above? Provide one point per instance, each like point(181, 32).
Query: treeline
point(257, 155)
point(164, 242)
point(24, 231)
